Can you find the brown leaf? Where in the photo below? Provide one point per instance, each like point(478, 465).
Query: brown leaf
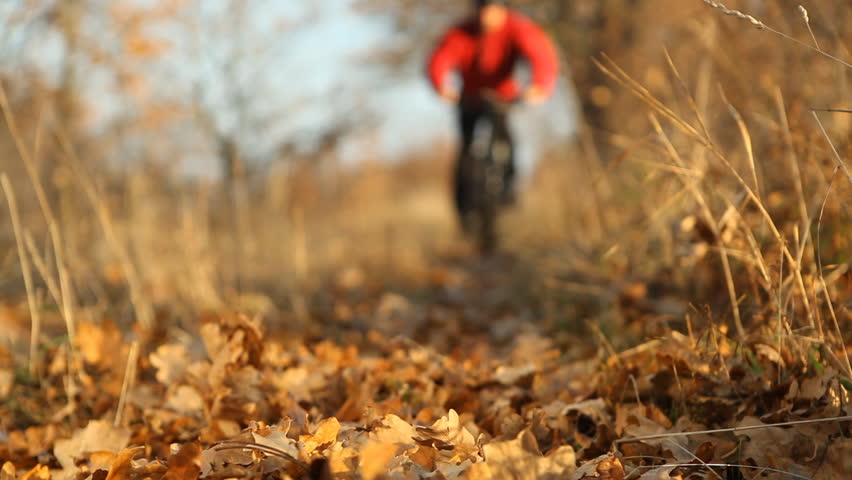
point(375, 458)
point(394, 430)
point(39, 472)
point(98, 435)
point(100, 344)
point(8, 471)
point(7, 379)
point(101, 460)
point(839, 459)
point(611, 468)
point(325, 434)
point(425, 457)
point(171, 361)
point(705, 452)
point(447, 432)
point(185, 464)
point(320, 470)
point(186, 400)
point(121, 465)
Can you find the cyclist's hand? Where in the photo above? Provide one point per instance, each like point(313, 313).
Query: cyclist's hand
point(450, 96)
point(534, 95)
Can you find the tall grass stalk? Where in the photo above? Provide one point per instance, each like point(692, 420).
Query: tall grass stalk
point(35, 313)
point(65, 283)
point(612, 70)
point(42, 268)
point(711, 221)
point(127, 383)
point(762, 26)
point(143, 308)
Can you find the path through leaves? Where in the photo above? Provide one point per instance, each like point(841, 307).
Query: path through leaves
point(383, 386)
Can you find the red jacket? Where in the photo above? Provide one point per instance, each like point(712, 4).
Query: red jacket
point(486, 60)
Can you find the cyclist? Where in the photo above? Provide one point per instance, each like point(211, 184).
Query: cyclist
point(484, 50)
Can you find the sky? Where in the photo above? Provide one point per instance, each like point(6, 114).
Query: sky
point(306, 70)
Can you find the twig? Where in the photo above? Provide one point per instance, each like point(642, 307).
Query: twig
point(839, 110)
point(695, 457)
point(818, 252)
point(241, 445)
point(726, 465)
point(847, 418)
point(837, 157)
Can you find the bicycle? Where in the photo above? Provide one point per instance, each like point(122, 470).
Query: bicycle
point(490, 159)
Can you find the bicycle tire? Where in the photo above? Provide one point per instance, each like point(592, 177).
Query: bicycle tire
point(488, 180)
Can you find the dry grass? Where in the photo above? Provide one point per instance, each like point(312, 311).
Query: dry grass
point(718, 239)
point(718, 202)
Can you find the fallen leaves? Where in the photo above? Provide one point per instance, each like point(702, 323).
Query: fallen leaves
point(393, 409)
point(98, 435)
point(122, 467)
point(185, 463)
point(325, 435)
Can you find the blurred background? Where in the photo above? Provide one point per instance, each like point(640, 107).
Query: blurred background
point(175, 156)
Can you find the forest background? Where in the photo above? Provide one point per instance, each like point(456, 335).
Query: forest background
point(230, 221)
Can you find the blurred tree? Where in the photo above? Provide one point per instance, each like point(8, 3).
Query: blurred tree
point(193, 74)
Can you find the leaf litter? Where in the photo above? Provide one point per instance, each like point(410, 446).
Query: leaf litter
point(242, 401)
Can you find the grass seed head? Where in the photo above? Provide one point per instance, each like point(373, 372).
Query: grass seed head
point(736, 13)
point(804, 12)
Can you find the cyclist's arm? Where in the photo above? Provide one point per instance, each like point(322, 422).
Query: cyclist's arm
point(535, 45)
point(444, 60)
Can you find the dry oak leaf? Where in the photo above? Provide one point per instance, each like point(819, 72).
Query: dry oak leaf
point(394, 430)
point(342, 460)
point(453, 470)
point(186, 400)
point(510, 375)
point(374, 459)
point(838, 461)
point(185, 463)
point(811, 388)
point(425, 457)
point(39, 472)
point(605, 466)
point(99, 344)
point(8, 471)
point(98, 435)
point(521, 459)
point(7, 379)
point(661, 473)
point(171, 361)
point(446, 433)
point(278, 440)
point(769, 446)
point(122, 464)
point(325, 434)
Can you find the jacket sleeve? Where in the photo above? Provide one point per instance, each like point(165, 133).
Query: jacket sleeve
point(535, 45)
point(444, 59)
